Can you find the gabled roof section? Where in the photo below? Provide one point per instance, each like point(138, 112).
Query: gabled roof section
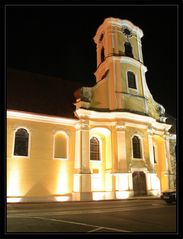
point(37, 93)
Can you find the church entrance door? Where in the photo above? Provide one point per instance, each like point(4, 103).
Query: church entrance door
point(139, 183)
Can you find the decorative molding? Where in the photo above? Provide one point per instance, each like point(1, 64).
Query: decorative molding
point(120, 127)
point(11, 114)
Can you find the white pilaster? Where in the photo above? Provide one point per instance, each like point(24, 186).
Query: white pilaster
point(144, 86)
point(167, 147)
point(82, 148)
point(85, 147)
point(168, 161)
point(150, 142)
point(167, 152)
point(139, 49)
point(121, 148)
point(82, 176)
point(112, 87)
point(77, 162)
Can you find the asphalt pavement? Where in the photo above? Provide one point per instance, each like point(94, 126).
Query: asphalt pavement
point(117, 216)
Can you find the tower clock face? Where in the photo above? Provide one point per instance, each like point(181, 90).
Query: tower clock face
point(127, 32)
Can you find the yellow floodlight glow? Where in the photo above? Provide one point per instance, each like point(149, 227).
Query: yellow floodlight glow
point(122, 183)
point(14, 183)
point(108, 182)
point(98, 196)
point(62, 198)
point(155, 182)
point(122, 195)
point(103, 134)
point(96, 182)
point(77, 183)
point(62, 186)
point(13, 200)
point(155, 193)
point(101, 131)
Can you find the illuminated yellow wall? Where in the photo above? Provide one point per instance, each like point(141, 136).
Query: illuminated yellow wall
point(39, 175)
point(132, 101)
point(130, 132)
point(99, 99)
point(60, 149)
point(137, 72)
point(104, 93)
point(161, 168)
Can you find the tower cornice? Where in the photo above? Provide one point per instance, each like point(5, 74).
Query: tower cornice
point(119, 23)
point(122, 116)
point(122, 59)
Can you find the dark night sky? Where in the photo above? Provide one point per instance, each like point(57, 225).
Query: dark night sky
point(58, 41)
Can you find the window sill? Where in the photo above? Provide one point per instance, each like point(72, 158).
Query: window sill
point(60, 159)
point(133, 91)
point(20, 157)
point(137, 159)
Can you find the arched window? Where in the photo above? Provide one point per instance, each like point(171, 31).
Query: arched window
point(94, 149)
point(102, 55)
point(128, 49)
point(21, 142)
point(60, 150)
point(136, 147)
point(131, 80)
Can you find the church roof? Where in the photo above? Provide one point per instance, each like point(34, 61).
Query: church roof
point(37, 93)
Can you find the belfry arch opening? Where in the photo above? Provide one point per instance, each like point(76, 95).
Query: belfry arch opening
point(128, 49)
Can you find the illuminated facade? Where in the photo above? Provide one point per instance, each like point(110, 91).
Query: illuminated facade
point(117, 147)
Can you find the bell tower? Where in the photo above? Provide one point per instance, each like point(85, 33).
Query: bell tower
point(121, 103)
point(120, 74)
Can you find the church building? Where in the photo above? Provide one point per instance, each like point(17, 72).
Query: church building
point(116, 146)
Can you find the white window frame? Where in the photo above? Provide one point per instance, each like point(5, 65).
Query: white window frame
point(141, 147)
point(132, 90)
point(100, 147)
point(13, 143)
